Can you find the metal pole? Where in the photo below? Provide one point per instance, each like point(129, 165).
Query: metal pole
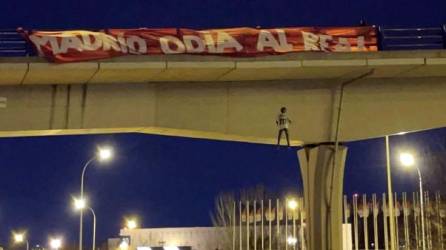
point(278, 225)
point(286, 224)
point(428, 222)
point(240, 225)
point(27, 245)
point(397, 214)
point(294, 226)
point(439, 221)
point(234, 215)
point(302, 233)
point(390, 194)
point(247, 225)
point(263, 229)
point(415, 219)
point(386, 231)
point(270, 234)
point(82, 197)
point(422, 209)
point(375, 221)
point(406, 222)
point(365, 213)
point(94, 228)
point(355, 220)
point(255, 225)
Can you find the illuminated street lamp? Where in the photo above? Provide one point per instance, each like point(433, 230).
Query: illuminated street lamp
point(131, 223)
point(408, 160)
point(81, 204)
point(291, 241)
point(55, 243)
point(20, 238)
point(292, 204)
point(103, 154)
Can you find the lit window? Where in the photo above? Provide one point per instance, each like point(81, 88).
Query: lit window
point(171, 248)
point(143, 248)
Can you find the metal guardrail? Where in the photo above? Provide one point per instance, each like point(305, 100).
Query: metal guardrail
point(12, 44)
point(418, 38)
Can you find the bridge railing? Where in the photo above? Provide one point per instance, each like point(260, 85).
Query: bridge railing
point(418, 38)
point(12, 44)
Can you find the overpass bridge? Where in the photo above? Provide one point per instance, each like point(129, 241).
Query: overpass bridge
point(227, 97)
point(331, 97)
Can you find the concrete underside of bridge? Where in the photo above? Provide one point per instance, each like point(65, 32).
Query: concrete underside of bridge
point(237, 100)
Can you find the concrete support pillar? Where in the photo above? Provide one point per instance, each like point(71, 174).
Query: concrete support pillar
point(323, 186)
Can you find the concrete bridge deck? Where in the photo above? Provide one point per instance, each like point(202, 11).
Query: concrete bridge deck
point(186, 68)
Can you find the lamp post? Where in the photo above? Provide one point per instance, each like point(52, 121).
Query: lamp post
point(408, 160)
point(102, 154)
point(81, 204)
point(390, 196)
point(20, 238)
point(94, 227)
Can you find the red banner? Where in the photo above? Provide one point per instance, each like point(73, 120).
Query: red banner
point(82, 45)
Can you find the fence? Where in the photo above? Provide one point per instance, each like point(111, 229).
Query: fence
point(280, 225)
point(270, 224)
point(407, 217)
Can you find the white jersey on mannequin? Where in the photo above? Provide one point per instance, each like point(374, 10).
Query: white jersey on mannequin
point(283, 121)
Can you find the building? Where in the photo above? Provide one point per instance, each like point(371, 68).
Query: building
point(185, 238)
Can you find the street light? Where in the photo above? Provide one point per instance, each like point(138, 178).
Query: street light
point(19, 238)
point(55, 243)
point(81, 204)
point(132, 223)
point(408, 160)
point(292, 204)
point(291, 241)
point(102, 154)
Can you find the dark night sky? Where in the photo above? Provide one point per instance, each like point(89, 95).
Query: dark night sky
point(168, 181)
point(73, 14)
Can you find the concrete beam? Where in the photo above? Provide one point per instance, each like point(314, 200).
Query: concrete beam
point(372, 107)
point(129, 72)
point(187, 68)
point(50, 73)
point(146, 130)
point(12, 73)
